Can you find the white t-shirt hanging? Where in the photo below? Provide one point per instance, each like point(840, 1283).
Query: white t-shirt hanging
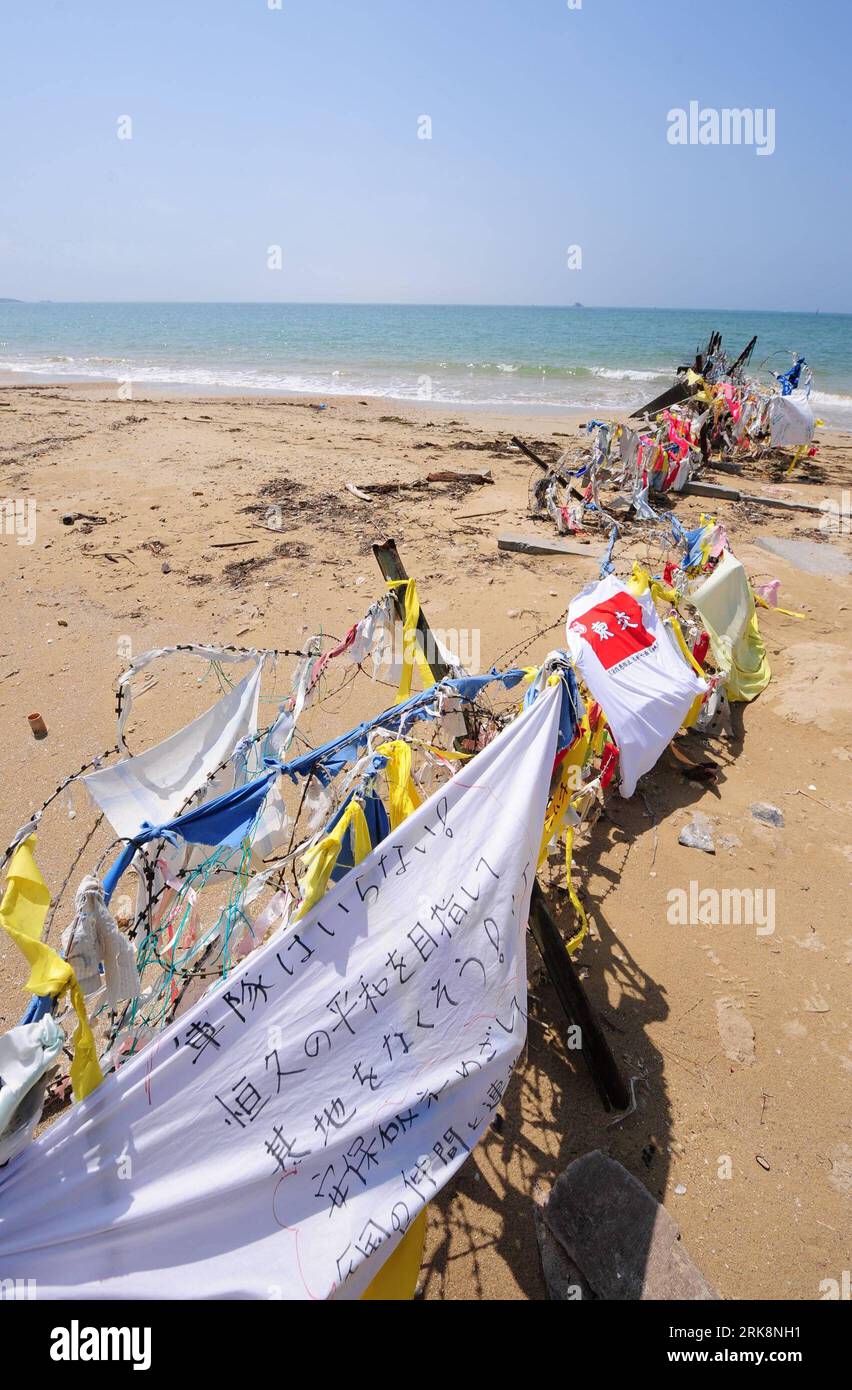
point(642, 683)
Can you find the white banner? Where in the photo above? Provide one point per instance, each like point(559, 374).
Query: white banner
point(279, 1139)
point(154, 785)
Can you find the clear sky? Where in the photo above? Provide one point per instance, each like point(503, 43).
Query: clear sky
point(255, 127)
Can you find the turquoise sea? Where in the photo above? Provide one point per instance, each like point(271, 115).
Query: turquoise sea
point(513, 357)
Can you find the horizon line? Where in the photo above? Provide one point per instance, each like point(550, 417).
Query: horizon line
point(445, 304)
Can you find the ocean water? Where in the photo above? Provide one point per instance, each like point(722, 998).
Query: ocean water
point(507, 358)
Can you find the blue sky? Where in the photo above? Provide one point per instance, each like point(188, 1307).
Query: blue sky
point(297, 127)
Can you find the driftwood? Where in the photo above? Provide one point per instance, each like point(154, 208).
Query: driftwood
point(533, 545)
point(381, 488)
point(447, 475)
point(541, 463)
point(489, 511)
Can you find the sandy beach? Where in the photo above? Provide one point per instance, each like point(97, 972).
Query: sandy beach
point(739, 1044)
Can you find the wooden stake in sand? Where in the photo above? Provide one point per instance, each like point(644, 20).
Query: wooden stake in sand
point(609, 1082)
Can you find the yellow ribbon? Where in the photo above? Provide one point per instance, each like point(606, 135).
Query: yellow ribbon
point(411, 649)
point(761, 603)
point(22, 913)
point(695, 707)
point(404, 796)
point(321, 858)
point(572, 893)
point(558, 807)
point(802, 449)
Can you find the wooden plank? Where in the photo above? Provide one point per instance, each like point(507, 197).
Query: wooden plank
point(449, 475)
point(597, 1054)
point(732, 494)
point(782, 503)
point(535, 545)
point(697, 489)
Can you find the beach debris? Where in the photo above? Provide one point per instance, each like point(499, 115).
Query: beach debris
point(358, 492)
point(764, 1163)
point(705, 771)
point(735, 1032)
point(166, 567)
point(37, 725)
point(471, 516)
point(766, 812)
point(732, 494)
point(602, 1235)
point(112, 555)
point(698, 834)
point(448, 475)
point(381, 488)
point(70, 517)
point(535, 545)
point(230, 545)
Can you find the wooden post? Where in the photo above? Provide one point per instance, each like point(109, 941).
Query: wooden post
point(597, 1053)
point(391, 566)
point(609, 1082)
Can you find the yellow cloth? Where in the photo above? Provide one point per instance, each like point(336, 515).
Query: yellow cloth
point(725, 604)
point(412, 652)
point(404, 796)
point(397, 1278)
point(695, 707)
point(566, 789)
point(22, 913)
point(321, 858)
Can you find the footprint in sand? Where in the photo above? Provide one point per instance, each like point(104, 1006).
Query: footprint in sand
point(840, 1176)
point(735, 1031)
